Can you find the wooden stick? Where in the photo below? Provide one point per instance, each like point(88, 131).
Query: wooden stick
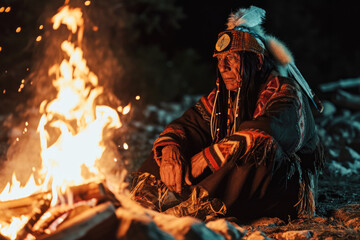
point(38, 212)
point(22, 206)
point(93, 190)
point(99, 222)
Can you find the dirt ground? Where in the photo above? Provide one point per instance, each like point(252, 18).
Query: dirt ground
point(338, 214)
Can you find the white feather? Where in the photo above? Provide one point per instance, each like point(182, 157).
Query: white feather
point(247, 17)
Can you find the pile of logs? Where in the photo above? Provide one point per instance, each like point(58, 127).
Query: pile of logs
point(90, 216)
point(109, 217)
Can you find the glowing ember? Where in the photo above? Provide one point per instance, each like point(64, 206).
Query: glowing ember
point(126, 146)
point(126, 109)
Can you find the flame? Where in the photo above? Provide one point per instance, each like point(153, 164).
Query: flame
point(10, 230)
point(71, 128)
point(73, 114)
point(15, 190)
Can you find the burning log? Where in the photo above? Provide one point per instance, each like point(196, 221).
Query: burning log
point(22, 206)
point(86, 196)
point(56, 215)
point(93, 190)
point(38, 212)
point(99, 222)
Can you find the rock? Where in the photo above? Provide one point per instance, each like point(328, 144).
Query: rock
point(258, 235)
point(329, 108)
point(348, 154)
point(295, 235)
point(200, 231)
point(268, 222)
point(137, 222)
point(138, 226)
point(227, 230)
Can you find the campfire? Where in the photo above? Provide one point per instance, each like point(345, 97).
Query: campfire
point(74, 131)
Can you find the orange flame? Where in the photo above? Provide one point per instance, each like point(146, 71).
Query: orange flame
point(10, 230)
point(71, 127)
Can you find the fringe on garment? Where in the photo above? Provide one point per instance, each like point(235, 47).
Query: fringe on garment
point(262, 149)
point(308, 180)
point(305, 207)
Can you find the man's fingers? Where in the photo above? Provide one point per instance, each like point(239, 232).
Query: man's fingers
point(178, 179)
point(187, 177)
point(166, 175)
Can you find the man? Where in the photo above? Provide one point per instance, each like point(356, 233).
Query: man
point(250, 148)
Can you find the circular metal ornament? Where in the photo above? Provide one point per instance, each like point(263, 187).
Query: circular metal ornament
point(222, 42)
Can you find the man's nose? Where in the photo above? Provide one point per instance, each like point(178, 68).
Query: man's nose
point(222, 66)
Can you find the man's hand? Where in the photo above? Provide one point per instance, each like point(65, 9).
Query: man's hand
point(198, 165)
point(171, 168)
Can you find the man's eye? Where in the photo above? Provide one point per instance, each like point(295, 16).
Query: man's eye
point(232, 58)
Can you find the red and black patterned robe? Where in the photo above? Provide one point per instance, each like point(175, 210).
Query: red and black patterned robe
point(267, 167)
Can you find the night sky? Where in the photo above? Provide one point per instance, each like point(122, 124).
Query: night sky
point(321, 34)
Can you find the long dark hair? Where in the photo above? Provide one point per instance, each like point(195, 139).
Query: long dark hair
point(252, 79)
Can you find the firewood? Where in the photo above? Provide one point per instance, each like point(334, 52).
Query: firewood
point(3, 237)
point(54, 213)
point(25, 206)
point(93, 190)
point(99, 222)
point(44, 205)
point(21, 206)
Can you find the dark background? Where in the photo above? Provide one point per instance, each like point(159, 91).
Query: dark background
point(162, 49)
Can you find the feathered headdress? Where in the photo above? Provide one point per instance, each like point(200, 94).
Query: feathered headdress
point(244, 33)
point(250, 17)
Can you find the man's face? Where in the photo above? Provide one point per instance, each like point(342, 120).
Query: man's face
point(229, 67)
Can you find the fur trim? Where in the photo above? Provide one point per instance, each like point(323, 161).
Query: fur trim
point(278, 50)
point(246, 17)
